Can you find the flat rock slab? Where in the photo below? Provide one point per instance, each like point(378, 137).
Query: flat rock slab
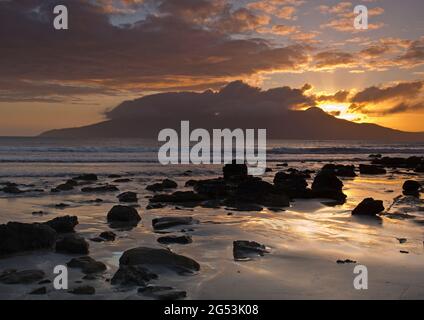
point(169, 222)
point(243, 250)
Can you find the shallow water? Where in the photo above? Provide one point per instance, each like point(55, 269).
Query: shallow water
point(305, 240)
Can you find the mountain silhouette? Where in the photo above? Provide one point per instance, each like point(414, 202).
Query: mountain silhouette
point(237, 105)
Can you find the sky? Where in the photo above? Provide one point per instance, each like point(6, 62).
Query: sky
point(117, 50)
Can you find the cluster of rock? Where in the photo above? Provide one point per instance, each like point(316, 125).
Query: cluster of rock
point(414, 162)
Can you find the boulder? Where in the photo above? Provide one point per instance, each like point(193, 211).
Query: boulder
point(175, 239)
point(411, 187)
point(12, 190)
point(293, 184)
point(420, 168)
point(243, 250)
point(165, 184)
point(132, 275)
point(169, 222)
point(341, 170)
point(87, 265)
point(128, 197)
point(123, 214)
point(105, 236)
point(327, 185)
point(67, 186)
point(16, 237)
point(235, 171)
point(72, 244)
point(369, 207)
point(63, 224)
point(144, 256)
point(210, 188)
point(21, 277)
point(371, 169)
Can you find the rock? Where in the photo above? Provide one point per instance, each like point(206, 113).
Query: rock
point(369, 207)
point(165, 184)
point(61, 205)
point(64, 224)
point(21, 277)
point(341, 170)
point(235, 171)
point(39, 213)
point(132, 275)
point(327, 185)
point(411, 162)
point(123, 214)
point(108, 236)
point(46, 281)
point(175, 239)
point(179, 197)
point(39, 291)
point(162, 293)
point(145, 256)
point(242, 250)
point(293, 184)
point(12, 190)
point(87, 265)
point(67, 186)
point(371, 169)
point(86, 177)
point(72, 244)
point(374, 156)
point(347, 261)
point(420, 168)
point(83, 290)
point(128, 197)
point(411, 187)
point(104, 188)
point(155, 206)
point(210, 188)
point(169, 222)
point(16, 237)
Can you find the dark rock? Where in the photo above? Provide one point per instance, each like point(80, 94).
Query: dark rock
point(327, 185)
point(155, 206)
point(39, 213)
point(175, 239)
point(396, 162)
point(124, 180)
point(169, 222)
point(17, 237)
point(145, 256)
point(86, 177)
point(371, 169)
point(123, 214)
point(211, 188)
point(165, 184)
point(99, 189)
point(67, 186)
point(235, 171)
point(61, 205)
point(114, 176)
point(72, 244)
point(108, 236)
point(341, 170)
point(347, 261)
point(46, 281)
point(63, 224)
point(12, 190)
point(21, 277)
point(87, 265)
point(420, 168)
point(242, 250)
point(128, 197)
point(411, 187)
point(293, 184)
point(39, 291)
point(369, 207)
point(83, 290)
point(378, 155)
point(132, 275)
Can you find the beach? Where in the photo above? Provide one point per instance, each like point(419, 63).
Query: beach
point(311, 246)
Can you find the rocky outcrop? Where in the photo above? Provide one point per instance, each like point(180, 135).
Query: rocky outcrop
point(293, 184)
point(128, 197)
point(132, 275)
point(234, 171)
point(87, 265)
point(341, 170)
point(16, 237)
point(165, 184)
point(123, 214)
point(371, 169)
point(411, 187)
point(72, 244)
point(243, 250)
point(179, 197)
point(100, 189)
point(327, 185)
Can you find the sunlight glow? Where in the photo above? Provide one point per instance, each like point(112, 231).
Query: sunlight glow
point(340, 110)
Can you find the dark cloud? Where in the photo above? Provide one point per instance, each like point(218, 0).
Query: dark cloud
point(377, 94)
point(158, 49)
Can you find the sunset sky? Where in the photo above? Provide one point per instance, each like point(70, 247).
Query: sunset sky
point(117, 50)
